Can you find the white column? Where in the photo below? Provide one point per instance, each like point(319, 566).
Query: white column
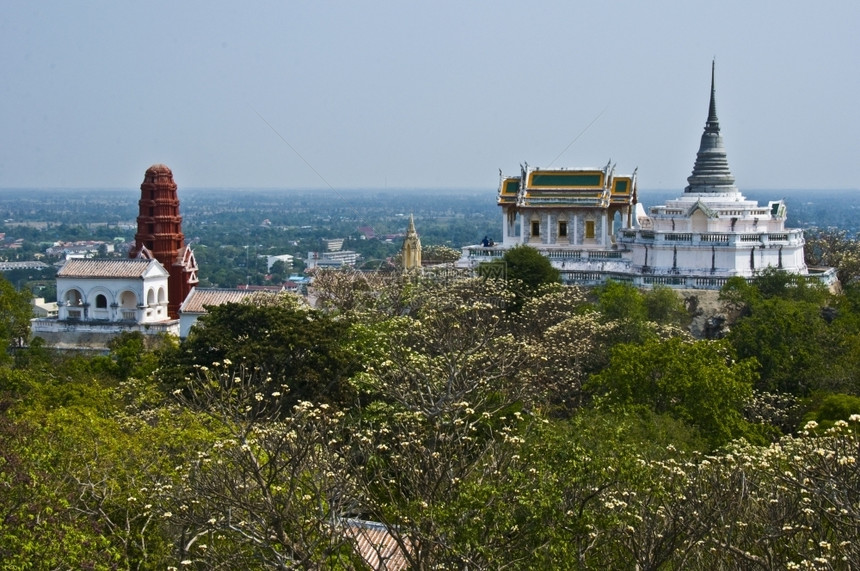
point(504, 226)
point(605, 231)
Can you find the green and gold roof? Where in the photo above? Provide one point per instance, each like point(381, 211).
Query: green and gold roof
point(508, 190)
point(568, 187)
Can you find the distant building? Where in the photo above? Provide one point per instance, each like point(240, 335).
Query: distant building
point(42, 308)
point(333, 244)
point(712, 232)
point(331, 259)
point(411, 251)
point(79, 249)
point(569, 215)
point(286, 258)
point(589, 224)
point(297, 284)
point(367, 232)
point(112, 290)
point(9, 266)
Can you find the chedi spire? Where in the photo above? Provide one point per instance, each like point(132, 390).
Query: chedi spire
point(711, 174)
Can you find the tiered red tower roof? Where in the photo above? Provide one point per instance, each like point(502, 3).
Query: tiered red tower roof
point(159, 235)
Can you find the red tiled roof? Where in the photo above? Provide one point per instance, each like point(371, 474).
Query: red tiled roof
point(198, 298)
point(376, 545)
point(88, 268)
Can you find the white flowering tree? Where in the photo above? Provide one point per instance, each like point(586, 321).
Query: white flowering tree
point(271, 489)
point(834, 248)
point(448, 386)
point(354, 291)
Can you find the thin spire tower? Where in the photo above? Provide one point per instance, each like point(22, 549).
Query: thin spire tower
point(711, 174)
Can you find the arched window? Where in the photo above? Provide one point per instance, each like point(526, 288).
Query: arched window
point(101, 301)
point(150, 297)
point(162, 297)
point(74, 302)
point(73, 298)
point(127, 300)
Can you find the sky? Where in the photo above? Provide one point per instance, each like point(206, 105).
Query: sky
point(403, 94)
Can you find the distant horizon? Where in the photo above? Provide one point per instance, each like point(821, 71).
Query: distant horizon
point(377, 189)
point(403, 95)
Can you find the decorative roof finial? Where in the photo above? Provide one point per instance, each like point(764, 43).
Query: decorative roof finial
point(712, 108)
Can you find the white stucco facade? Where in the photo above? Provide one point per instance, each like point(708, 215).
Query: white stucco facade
point(136, 292)
point(99, 299)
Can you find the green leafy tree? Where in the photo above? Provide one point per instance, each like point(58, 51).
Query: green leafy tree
point(272, 490)
point(741, 295)
point(772, 282)
point(617, 300)
point(698, 382)
point(279, 271)
point(738, 295)
point(37, 522)
point(664, 305)
point(525, 270)
point(15, 315)
point(789, 340)
point(530, 267)
point(95, 455)
point(133, 355)
point(363, 295)
point(832, 408)
point(440, 255)
point(297, 346)
point(448, 383)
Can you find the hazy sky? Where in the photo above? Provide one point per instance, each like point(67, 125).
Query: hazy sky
point(408, 94)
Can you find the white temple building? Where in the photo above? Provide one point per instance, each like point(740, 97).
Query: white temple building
point(589, 224)
point(101, 298)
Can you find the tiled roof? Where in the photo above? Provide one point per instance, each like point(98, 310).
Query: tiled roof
point(562, 187)
point(78, 268)
point(376, 545)
point(211, 296)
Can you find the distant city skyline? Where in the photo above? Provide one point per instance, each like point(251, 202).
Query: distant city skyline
point(304, 95)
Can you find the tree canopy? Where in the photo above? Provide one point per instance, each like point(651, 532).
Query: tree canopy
point(700, 383)
point(15, 315)
point(524, 269)
point(299, 348)
point(587, 429)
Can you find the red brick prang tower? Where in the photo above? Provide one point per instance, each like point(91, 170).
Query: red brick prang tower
point(159, 235)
